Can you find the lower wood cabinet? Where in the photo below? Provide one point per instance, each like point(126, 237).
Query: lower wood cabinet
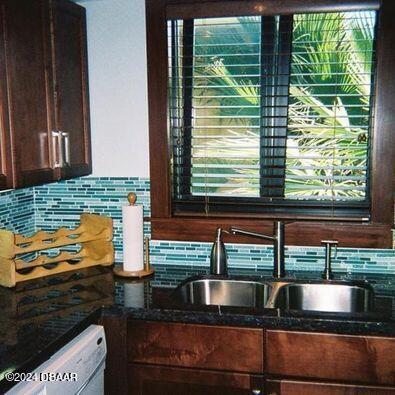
point(196, 346)
point(288, 387)
point(146, 357)
point(157, 380)
point(365, 359)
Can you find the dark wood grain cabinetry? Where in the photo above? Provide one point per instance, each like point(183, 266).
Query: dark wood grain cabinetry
point(157, 380)
point(289, 387)
point(6, 180)
point(71, 86)
point(196, 346)
point(174, 358)
point(116, 373)
point(29, 83)
point(43, 83)
point(367, 359)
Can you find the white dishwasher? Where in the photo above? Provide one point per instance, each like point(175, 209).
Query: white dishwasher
point(77, 368)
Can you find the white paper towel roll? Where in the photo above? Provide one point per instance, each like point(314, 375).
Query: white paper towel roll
point(133, 238)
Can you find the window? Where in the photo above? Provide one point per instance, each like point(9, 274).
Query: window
point(272, 112)
point(266, 110)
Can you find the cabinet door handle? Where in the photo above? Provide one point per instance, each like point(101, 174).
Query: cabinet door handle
point(66, 138)
point(57, 150)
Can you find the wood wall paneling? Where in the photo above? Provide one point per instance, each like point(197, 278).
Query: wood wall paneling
point(181, 9)
point(383, 144)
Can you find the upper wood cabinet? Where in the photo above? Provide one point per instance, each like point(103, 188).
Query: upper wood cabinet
point(5, 151)
point(46, 82)
point(29, 83)
point(69, 65)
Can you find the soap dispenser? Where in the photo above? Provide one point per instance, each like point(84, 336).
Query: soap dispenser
point(219, 258)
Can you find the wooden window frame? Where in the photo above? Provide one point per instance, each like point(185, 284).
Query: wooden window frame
point(165, 226)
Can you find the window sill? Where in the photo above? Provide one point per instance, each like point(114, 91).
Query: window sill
point(298, 233)
point(276, 216)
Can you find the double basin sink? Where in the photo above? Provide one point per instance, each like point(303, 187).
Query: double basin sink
point(322, 296)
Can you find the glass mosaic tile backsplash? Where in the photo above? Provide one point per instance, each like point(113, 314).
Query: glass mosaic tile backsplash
point(59, 204)
point(17, 211)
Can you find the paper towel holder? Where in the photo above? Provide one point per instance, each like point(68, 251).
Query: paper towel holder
point(147, 271)
point(132, 198)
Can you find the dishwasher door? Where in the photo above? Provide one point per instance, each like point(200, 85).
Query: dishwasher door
point(77, 368)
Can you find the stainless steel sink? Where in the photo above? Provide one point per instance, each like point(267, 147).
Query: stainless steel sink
point(332, 296)
point(224, 292)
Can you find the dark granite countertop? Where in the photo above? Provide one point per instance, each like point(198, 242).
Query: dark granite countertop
point(40, 316)
point(151, 300)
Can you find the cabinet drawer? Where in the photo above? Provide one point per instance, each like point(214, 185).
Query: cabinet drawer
point(196, 346)
point(159, 380)
point(367, 359)
point(289, 387)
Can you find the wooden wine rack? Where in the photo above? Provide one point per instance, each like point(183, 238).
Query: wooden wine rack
point(94, 234)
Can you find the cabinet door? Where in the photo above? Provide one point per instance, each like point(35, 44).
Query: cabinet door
point(71, 87)
point(156, 380)
point(325, 356)
point(196, 346)
point(29, 81)
point(5, 144)
point(289, 387)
